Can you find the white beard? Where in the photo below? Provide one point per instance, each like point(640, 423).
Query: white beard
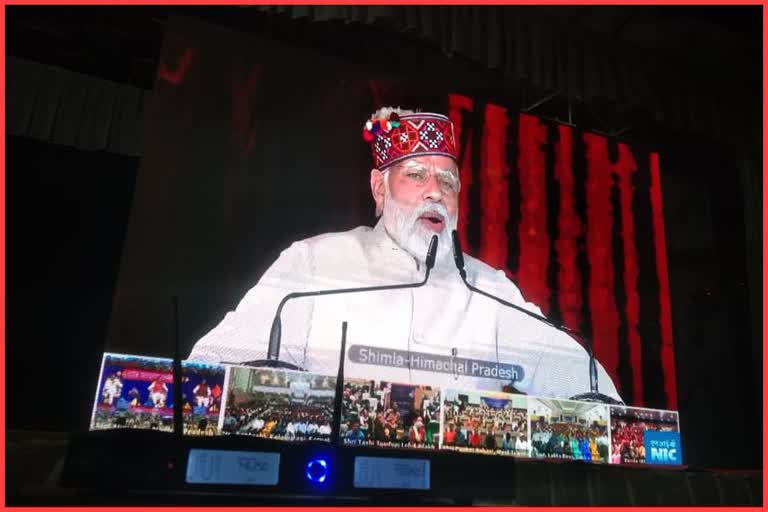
point(402, 224)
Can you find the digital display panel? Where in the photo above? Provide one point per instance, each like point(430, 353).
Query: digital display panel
point(560, 222)
point(232, 467)
point(391, 473)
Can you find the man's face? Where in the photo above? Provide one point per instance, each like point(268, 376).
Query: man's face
point(422, 180)
point(419, 198)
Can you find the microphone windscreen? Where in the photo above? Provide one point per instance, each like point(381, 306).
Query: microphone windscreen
point(432, 252)
point(458, 256)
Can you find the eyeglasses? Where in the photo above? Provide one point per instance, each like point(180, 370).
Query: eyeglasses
point(420, 175)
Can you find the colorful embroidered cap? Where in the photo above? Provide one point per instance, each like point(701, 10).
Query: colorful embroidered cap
point(399, 137)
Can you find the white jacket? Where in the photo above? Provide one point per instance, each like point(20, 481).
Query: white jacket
point(385, 327)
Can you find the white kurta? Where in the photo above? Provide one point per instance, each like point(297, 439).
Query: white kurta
point(441, 334)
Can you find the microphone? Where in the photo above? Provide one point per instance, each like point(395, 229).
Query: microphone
point(458, 255)
point(275, 333)
point(594, 394)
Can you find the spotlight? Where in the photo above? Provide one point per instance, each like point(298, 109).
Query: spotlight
point(317, 470)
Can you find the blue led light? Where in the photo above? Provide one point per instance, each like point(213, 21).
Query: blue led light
point(317, 470)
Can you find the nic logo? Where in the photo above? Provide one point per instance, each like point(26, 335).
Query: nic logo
point(663, 448)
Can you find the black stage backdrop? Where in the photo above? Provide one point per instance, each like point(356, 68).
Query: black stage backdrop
point(252, 144)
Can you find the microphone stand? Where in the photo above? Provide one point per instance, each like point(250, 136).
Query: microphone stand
point(178, 411)
point(273, 351)
point(594, 394)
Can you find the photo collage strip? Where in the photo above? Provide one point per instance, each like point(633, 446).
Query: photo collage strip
point(137, 392)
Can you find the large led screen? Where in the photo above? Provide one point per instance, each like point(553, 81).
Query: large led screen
point(259, 184)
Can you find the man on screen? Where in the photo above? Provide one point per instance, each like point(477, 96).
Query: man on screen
point(202, 394)
point(113, 387)
point(158, 392)
point(440, 334)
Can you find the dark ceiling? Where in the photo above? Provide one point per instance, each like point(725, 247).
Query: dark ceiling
point(123, 43)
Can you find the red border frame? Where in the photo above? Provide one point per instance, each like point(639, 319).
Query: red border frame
point(338, 2)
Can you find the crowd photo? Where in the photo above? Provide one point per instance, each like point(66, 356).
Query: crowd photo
point(569, 430)
point(628, 427)
point(390, 415)
point(488, 422)
point(279, 404)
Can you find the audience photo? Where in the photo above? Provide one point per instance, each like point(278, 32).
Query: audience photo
point(569, 430)
point(387, 414)
point(628, 427)
point(495, 423)
point(279, 404)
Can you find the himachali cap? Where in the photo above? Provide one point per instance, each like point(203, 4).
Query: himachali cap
point(399, 137)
